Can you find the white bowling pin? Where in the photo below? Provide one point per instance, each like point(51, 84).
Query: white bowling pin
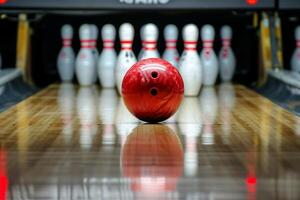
point(95, 32)
point(190, 64)
point(108, 57)
point(227, 60)
point(171, 35)
point(66, 56)
point(149, 35)
point(208, 56)
point(85, 61)
point(295, 62)
point(126, 57)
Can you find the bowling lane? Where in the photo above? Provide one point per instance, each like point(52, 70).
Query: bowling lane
point(67, 142)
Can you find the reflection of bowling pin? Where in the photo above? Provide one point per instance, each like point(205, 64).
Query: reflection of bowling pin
point(107, 105)
point(189, 111)
point(66, 96)
point(226, 104)
point(85, 61)
point(226, 56)
point(107, 109)
point(66, 56)
point(149, 35)
point(108, 57)
point(108, 137)
point(126, 57)
point(190, 64)
point(190, 125)
point(209, 107)
point(227, 96)
point(208, 57)
point(86, 109)
point(171, 35)
point(93, 43)
point(295, 62)
point(125, 121)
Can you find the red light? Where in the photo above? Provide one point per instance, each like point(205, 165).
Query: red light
point(251, 180)
point(3, 187)
point(3, 176)
point(3, 1)
point(251, 2)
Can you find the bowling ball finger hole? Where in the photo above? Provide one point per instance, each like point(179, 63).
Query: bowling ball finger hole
point(154, 74)
point(153, 91)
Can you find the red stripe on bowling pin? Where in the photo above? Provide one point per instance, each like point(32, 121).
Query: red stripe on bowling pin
point(149, 45)
point(126, 44)
point(226, 42)
point(171, 44)
point(190, 45)
point(67, 42)
point(108, 44)
point(208, 44)
point(86, 44)
point(93, 43)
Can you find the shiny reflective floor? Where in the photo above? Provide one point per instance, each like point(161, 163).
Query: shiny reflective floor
point(67, 142)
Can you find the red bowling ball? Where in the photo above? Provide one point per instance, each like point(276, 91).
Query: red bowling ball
point(152, 90)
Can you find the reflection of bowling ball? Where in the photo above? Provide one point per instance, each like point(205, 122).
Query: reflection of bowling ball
point(152, 90)
point(152, 158)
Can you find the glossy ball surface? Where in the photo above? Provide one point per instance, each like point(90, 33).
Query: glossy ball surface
point(152, 90)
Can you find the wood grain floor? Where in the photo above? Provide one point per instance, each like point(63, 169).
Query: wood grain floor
point(67, 142)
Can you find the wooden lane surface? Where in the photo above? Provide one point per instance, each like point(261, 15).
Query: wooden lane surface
point(67, 142)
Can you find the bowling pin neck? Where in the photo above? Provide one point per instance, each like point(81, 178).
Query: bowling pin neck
point(298, 43)
point(126, 44)
point(171, 44)
point(108, 44)
point(93, 43)
point(190, 45)
point(208, 44)
point(149, 45)
point(86, 44)
point(67, 42)
point(226, 42)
